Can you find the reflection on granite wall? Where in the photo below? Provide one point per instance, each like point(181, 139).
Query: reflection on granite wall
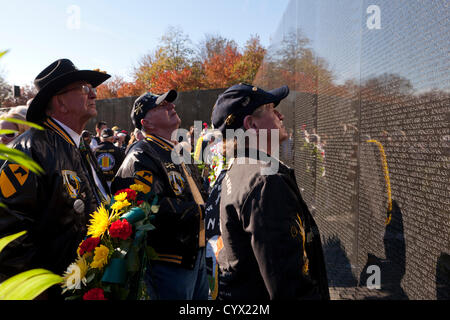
point(369, 113)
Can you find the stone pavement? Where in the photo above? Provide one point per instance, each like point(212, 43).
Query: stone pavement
point(358, 293)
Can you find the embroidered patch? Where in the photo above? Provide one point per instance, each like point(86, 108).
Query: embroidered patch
point(230, 119)
point(106, 161)
point(177, 182)
point(145, 179)
point(72, 183)
point(12, 178)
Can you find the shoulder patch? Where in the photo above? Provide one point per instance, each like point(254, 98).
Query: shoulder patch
point(12, 178)
point(145, 179)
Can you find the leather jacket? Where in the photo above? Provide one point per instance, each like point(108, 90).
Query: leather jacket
point(53, 207)
point(176, 236)
point(266, 243)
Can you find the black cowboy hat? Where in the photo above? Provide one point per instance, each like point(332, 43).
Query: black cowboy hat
point(55, 77)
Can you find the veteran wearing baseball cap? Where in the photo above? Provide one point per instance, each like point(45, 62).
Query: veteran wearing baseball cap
point(179, 272)
point(260, 249)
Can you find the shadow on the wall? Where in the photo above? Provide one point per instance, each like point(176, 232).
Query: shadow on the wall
point(443, 277)
point(338, 265)
point(393, 267)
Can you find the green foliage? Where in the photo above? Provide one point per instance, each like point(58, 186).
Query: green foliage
point(6, 240)
point(26, 285)
point(16, 156)
point(30, 124)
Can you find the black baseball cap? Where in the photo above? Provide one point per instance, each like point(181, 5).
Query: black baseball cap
point(85, 134)
point(242, 100)
point(148, 101)
point(106, 133)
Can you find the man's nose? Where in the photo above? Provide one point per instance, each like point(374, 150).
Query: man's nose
point(280, 115)
point(92, 94)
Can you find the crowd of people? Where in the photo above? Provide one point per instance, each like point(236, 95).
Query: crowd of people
point(232, 230)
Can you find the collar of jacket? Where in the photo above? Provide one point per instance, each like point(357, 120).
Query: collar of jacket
point(159, 142)
point(55, 127)
point(260, 155)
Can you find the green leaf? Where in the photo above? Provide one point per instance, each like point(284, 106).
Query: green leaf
point(33, 287)
point(27, 123)
point(6, 240)
point(17, 156)
point(146, 227)
point(2, 53)
point(154, 209)
point(7, 131)
point(8, 286)
point(151, 253)
point(3, 206)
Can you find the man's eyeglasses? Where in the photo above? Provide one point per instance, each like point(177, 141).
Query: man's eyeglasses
point(84, 88)
point(9, 135)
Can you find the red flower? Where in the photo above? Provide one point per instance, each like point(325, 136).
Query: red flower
point(139, 202)
point(89, 245)
point(120, 229)
point(94, 294)
point(131, 194)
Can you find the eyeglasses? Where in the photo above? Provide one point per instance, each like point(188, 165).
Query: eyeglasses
point(9, 135)
point(84, 88)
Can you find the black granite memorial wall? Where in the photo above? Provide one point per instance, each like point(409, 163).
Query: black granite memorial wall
point(369, 112)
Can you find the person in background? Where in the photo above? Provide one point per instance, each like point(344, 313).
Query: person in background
point(87, 137)
point(99, 126)
point(18, 113)
point(120, 141)
point(109, 157)
point(136, 136)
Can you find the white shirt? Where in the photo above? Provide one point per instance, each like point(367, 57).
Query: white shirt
point(76, 138)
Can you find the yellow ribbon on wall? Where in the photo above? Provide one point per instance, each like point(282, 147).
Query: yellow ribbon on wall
point(386, 178)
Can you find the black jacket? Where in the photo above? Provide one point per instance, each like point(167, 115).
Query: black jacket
point(266, 243)
point(109, 158)
point(149, 162)
point(44, 204)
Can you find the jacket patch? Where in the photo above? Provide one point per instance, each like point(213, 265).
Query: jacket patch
point(12, 178)
point(72, 183)
point(106, 161)
point(177, 182)
point(145, 179)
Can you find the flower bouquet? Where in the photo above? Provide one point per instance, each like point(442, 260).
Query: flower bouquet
point(111, 259)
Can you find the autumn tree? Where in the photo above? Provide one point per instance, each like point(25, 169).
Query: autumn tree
point(251, 60)
point(171, 59)
point(110, 88)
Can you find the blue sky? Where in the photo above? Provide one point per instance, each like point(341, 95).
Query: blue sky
point(113, 35)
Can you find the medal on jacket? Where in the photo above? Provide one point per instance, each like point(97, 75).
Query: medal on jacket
point(78, 206)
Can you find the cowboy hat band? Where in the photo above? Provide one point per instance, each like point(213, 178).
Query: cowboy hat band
point(55, 77)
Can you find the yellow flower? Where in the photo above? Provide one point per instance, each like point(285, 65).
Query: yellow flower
point(99, 223)
point(75, 275)
point(100, 257)
point(137, 187)
point(121, 197)
point(119, 205)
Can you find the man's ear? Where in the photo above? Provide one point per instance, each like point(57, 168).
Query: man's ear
point(56, 105)
point(146, 124)
point(249, 123)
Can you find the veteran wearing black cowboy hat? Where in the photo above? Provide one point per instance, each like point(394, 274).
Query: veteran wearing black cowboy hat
point(53, 207)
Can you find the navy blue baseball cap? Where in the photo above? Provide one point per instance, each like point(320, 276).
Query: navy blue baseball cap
point(242, 100)
point(147, 102)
